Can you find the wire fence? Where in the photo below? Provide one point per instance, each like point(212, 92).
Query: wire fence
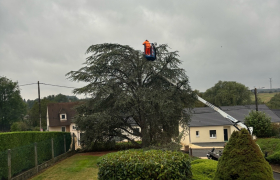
point(4, 165)
point(17, 160)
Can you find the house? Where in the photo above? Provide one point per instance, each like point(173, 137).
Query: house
point(208, 126)
point(60, 116)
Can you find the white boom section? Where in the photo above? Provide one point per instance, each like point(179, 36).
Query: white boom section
point(225, 115)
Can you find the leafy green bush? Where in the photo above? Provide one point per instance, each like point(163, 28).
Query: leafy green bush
point(243, 159)
point(22, 149)
point(260, 122)
point(140, 164)
point(275, 130)
point(274, 158)
point(203, 169)
point(270, 145)
point(126, 145)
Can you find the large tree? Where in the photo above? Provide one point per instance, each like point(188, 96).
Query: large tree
point(228, 93)
point(127, 90)
point(12, 106)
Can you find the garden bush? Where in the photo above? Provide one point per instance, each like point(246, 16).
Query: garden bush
point(274, 158)
point(203, 169)
point(22, 149)
point(242, 159)
point(269, 145)
point(140, 164)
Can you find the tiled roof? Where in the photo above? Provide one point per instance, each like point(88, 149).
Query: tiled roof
point(55, 109)
point(205, 116)
point(277, 112)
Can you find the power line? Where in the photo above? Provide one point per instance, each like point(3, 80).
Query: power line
point(57, 85)
point(47, 85)
point(27, 84)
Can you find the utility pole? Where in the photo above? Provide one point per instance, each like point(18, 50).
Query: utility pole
point(256, 99)
point(39, 105)
point(270, 83)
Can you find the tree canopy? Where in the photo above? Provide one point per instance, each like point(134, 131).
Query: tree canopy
point(128, 92)
point(274, 102)
point(12, 106)
point(228, 93)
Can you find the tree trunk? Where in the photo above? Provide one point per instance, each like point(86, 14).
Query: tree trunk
point(145, 137)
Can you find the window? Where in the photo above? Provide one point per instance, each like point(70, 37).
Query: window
point(212, 133)
point(63, 117)
point(73, 127)
point(197, 133)
point(63, 129)
point(136, 130)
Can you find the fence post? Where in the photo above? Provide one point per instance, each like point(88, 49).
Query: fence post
point(64, 144)
point(52, 150)
point(9, 165)
point(73, 143)
point(36, 157)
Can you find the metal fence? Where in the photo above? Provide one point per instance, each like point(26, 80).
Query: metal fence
point(17, 160)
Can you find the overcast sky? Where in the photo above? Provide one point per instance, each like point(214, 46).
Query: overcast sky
point(217, 40)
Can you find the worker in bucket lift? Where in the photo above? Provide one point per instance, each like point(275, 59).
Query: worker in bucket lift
point(147, 47)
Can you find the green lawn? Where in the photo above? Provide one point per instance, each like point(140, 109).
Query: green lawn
point(76, 167)
point(265, 97)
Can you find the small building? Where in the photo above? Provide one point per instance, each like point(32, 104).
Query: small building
point(60, 116)
point(208, 126)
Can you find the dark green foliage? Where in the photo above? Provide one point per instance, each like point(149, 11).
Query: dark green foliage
point(242, 159)
point(274, 102)
point(12, 106)
point(275, 130)
point(139, 164)
point(228, 93)
point(203, 169)
point(22, 149)
point(274, 158)
point(131, 97)
point(272, 147)
point(33, 118)
point(19, 126)
point(260, 122)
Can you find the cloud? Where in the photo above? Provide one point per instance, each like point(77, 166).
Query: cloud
point(217, 40)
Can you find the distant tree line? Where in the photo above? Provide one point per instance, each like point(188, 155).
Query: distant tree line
point(17, 114)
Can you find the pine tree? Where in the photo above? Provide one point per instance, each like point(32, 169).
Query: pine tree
point(127, 91)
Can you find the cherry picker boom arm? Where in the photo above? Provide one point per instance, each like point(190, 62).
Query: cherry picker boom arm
point(225, 115)
point(234, 121)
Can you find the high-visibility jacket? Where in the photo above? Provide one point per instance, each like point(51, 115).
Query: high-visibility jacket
point(147, 43)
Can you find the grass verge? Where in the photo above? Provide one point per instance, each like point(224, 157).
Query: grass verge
point(76, 167)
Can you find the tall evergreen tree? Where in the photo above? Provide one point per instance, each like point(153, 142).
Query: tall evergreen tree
point(127, 90)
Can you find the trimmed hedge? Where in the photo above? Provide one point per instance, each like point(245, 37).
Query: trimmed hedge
point(22, 149)
point(204, 169)
point(140, 164)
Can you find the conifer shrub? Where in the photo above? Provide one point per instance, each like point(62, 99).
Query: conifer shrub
point(140, 164)
point(242, 159)
point(203, 169)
